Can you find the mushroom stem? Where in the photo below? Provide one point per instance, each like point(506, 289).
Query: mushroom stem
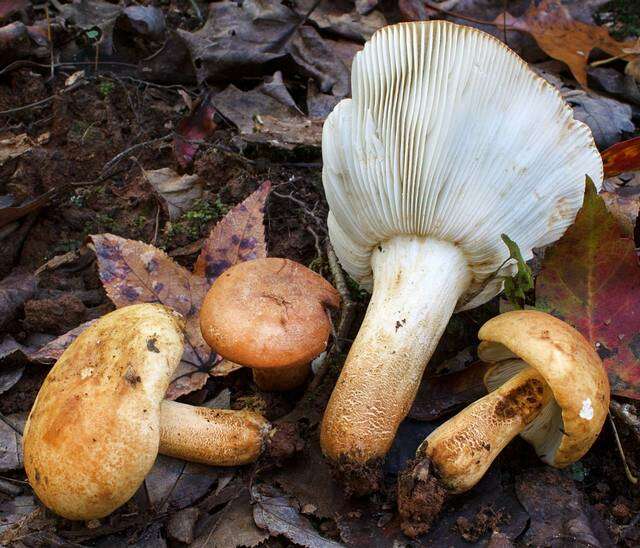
point(417, 283)
point(463, 448)
point(218, 437)
point(281, 379)
point(458, 453)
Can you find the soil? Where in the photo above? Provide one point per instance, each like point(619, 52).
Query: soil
point(87, 128)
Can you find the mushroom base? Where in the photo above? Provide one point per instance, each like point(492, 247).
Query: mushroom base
point(358, 479)
point(281, 379)
point(421, 496)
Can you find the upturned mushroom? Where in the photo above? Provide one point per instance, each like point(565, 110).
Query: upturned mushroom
point(547, 384)
point(100, 417)
point(270, 315)
point(449, 141)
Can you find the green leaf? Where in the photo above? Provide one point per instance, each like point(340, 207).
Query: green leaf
point(516, 287)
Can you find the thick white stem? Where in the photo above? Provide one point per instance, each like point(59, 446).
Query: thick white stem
point(417, 283)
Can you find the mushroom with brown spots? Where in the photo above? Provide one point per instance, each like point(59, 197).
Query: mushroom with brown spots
point(100, 417)
point(270, 315)
point(546, 383)
point(424, 168)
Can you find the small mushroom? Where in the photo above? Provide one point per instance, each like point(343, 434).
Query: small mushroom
point(449, 141)
point(270, 315)
point(100, 417)
point(546, 384)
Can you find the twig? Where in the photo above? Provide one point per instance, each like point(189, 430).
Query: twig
point(157, 225)
point(347, 315)
point(127, 151)
point(624, 412)
point(627, 471)
point(42, 101)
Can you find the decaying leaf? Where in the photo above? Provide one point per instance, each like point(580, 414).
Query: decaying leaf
point(134, 272)
point(15, 289)
point(562, 37)
point(607, 118)
point(349, 24)
point(51, 351)
point(197, 126)
point(11, 443)
point(621, 157)
point(279, 515)
point(622, 198)
point(236, 238)
point(242, 38)
point(14, 212)
point(591, 279)
point(232, 527)
point(559, 513)
point(176, 484)
point(268, 114)
point(13, 511)
point(14, 147)
point(177, 192)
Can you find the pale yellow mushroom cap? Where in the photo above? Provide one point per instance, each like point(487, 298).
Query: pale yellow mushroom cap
point(567, 427)
point(94, 430)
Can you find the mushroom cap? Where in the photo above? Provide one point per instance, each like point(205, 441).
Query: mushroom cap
point(567, 427)
point(450, 135)
point(93, 432)
point(268, 313)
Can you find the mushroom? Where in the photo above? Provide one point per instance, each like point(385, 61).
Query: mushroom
point(99, 419)
point(269, 315)
point(546, 383)
point(449, 141)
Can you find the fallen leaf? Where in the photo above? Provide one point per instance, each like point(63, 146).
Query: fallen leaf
point(197, 126)
point(562, 37)
point(236, 238)
point(591, 279)
point(13, 213)
point(278, 515)
point(12, 357)
point(622, 198)
point(134, 272)
point(177, 192)
point(14, 510)
point(175, 484)
point(607, 118)
point(559, 513)
point(329, 16)
point(15, 289)
point(242, 38)
point(51, 352)
point(11, 443)
point(621, 157)
point(14, 147)
point(232, 527)
point(264, 117)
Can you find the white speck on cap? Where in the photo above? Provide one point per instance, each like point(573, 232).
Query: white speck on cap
point(587, 410)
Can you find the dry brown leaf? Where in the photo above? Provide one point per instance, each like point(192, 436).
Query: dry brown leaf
point(177, 192)
point(562, 37)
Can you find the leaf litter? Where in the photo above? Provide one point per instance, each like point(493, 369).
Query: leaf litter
point(263, 92)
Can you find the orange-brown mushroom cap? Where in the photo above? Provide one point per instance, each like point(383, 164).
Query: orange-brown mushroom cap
point(94, 430)
point(268, 313)
point(568, 426)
